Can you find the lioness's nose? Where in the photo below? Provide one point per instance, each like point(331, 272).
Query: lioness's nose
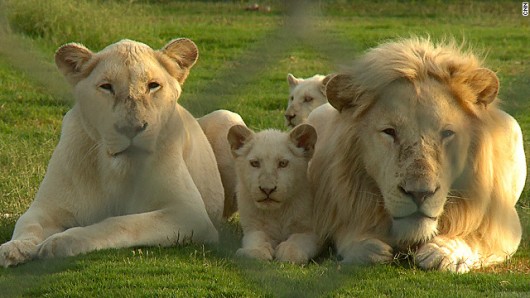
point(419, 196)
point(267, 190)
point(289, 117)
point(131, 131)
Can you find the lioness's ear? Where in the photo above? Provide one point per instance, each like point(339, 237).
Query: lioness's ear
point(485, 84)
point(340, 91)
point(293, 81)
point(70, 59)
point(184, 52)
point(304, 136)
point(238, 135)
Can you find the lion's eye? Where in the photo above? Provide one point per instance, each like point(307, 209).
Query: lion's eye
point(447, 133)
point(308, 99)
point(153, 86)
point(254, 163)
point(391, 132)
point(107, 87)
point(283, 163)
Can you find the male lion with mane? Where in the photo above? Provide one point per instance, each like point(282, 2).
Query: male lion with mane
point(132, 166)
point(418, 158)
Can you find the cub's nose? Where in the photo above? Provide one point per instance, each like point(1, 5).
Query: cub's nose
point(131, 131)
point(267, 190)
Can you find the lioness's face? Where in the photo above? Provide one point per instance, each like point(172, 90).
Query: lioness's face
point(416, 142)
point(303, 98)
point(126, 98)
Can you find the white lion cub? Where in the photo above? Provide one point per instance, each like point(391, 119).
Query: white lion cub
point(304, 96)
point(273, 195)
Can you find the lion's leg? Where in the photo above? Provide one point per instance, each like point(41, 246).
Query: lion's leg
point(362, 251)
point(256, 245)
point(494, 242)
point(298, 248)
point(162, 227)
point(31, 229)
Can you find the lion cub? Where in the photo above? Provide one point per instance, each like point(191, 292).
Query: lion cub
point(273, 195)
point(305, 95)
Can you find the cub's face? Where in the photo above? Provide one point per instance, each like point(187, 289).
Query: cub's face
point(271, 165)
point(305, 95)
point(127, 92)
point(415, 143)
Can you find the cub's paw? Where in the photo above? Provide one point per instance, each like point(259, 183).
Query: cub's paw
point(369, 251)
point(446, 254)
point(263, 252)
point(290, 252)
point(64, 245)
point(16, 252)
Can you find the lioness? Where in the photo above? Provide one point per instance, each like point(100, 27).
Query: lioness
point(417, 157)
point(275, 204)
point(132, 166)
point(304, 96)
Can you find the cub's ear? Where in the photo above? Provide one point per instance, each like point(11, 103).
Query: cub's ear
point(340, 91)
point(238, 135)
point(70, 60)
point(293, 81)
point(485, 85)
point(304, 136)
point(184, 53)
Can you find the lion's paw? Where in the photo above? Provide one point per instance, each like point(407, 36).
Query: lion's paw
point(64, 245)
point(263, 252)
point(445, 254)
point(290, 252)
point(369, 251)
point(16, 252)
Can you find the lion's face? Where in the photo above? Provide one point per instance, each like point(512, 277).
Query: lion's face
point(127, 92)
point(271, 165)
point(415, 141)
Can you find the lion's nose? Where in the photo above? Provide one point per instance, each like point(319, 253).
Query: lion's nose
point(419, 196)
point(267, 190)
point(131, 131)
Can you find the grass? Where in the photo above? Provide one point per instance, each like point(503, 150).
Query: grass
point(244, 59)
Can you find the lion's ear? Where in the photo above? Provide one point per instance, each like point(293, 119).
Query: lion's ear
point(485, 85)
point(293, 81)
point(238, 135)
point(70, 59)
point(340, 91)
point(184, 52)
point(304, 136)
point(325, 81)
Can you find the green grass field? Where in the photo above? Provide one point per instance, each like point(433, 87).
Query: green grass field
point(243, 63)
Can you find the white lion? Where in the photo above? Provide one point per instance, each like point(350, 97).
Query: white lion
point(215, 126)
point(417, 157)
point(132, 166)
point(304, 96)
point(275, 202)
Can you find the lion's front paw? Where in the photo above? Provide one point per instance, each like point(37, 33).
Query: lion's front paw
point(369, 251)
point(290, 252)
point(64, 245)
point(263, 252)
point(445, 254)
point(16, 252)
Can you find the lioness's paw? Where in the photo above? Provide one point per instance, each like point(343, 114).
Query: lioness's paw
point(290, 252)
point(369, 251)
point(16, 252)
point(445, 254)
point(64, 245)
point(261, 252)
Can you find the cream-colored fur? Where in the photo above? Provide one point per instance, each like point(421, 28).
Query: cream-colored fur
point(304, 96)
point(215, 126)
point(275, 204)
point(132, 166)
point(420, 159)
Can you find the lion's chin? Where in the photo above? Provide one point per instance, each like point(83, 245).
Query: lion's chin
point(414, 229)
